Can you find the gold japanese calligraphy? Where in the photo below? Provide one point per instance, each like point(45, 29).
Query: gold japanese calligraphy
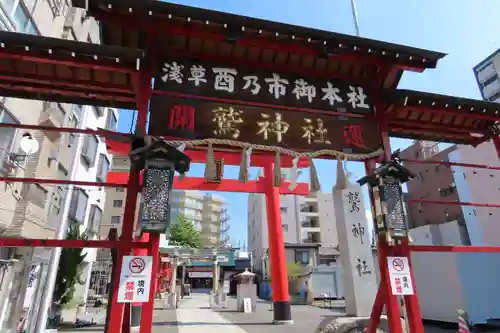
point(226, 121)
point(316, 134)
point(277, 126)
point(257, 125)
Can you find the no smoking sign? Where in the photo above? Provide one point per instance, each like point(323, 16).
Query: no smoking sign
point(398, 264)
point(135, 279)
point(136, 265)
point(399, 275)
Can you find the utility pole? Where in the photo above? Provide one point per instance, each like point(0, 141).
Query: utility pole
point(355, 16)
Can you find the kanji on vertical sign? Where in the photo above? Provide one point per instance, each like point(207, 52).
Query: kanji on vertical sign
point(129, 290)
point(181, 118)
point(353, 136)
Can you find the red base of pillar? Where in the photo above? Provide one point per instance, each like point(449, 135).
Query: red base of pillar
point(385, 296)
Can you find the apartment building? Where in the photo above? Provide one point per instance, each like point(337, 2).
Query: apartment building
point(433, 182)
point(35, 210)
point(487, 74)
point(478, 225)
point(306, 220)
point(205, 210)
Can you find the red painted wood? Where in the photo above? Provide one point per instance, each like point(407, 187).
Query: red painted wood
point(226, 185)
point(279, 276)
point(97, 65)
point(258, 159)
point(69, 243)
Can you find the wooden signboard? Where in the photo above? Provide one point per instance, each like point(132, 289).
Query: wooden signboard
point(244, 84)
point(192, 118)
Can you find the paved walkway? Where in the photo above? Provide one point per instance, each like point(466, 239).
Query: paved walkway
point(195, 316)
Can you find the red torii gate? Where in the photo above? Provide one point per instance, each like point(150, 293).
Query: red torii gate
point(119, 75)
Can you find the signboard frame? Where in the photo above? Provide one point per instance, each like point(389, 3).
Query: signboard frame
point(135, 286)
point(400, 276)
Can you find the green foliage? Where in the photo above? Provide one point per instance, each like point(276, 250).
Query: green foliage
point(292, 269)
point(70, 267)
point(183, 233)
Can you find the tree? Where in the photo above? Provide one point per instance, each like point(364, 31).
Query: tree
point(70, 267)
point(292, 269)
point(183, 233)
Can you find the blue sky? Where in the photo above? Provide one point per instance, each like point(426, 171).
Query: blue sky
point(467, 30)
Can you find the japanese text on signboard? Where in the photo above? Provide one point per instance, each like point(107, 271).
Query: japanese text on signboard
point(400, 276)
point(203, 79)
point(194, 118)
point(135, 278)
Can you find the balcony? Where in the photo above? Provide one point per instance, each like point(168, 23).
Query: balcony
point(308, 214)
point(310, 199)
point(491, 89)
point(310, 235)
point(486, 73)
point(312, 223)
point(311, 229)
point(52, 116)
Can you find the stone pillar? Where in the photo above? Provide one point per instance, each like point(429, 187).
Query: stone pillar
point(355, 250)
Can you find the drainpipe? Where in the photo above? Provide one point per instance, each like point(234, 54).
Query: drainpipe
point(53, 267)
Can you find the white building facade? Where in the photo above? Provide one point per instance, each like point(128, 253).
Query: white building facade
point(36, 210)
point(306, 220)
point(487, 74)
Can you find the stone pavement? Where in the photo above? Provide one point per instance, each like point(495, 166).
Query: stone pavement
point(195, 316)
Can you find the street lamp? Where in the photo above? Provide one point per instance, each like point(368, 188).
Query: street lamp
point(386, 186)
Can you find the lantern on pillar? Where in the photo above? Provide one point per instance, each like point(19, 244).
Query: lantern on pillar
point(386, 187)
point(159, 161)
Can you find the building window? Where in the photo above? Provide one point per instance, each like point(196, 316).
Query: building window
point(302, 257)
point(56, 7)
point(116, 219)
point(490, 80)
point(117, 203)
point(102, 168)
point(18, 16)
point(95, 218)
point(7, 134)
point(494, 97)
point(285, 227)
point(89, 149)
point(74, 122)
point(284, 210)
point(99, 110)
point(111, 121)
point(120, 189)
point(37, 195)
point(79, 201)
point(421, 177)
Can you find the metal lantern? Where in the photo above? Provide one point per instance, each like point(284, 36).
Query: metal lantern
point(159, 161)
point(158, 181)
point(389, 207)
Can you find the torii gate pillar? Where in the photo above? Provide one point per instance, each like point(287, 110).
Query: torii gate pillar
point(279, 277)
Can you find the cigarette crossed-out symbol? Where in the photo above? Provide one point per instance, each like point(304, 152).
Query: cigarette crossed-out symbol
point(398, 264)
point(137, 265)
